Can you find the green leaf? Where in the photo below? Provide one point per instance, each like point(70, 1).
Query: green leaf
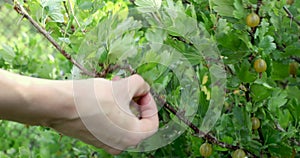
point(156, 35)
point(242, 124)
point(54, 9)
point(145, 6)
point(240, 10)
point(243, 72)
point(293, 50)
point(224, 7)
point(7, 52)
point(24, 152)
point(85, 5)
point(267, 44)
point(284, 118)
point(277, 100)
point(122, 48)
point(280, 70)
point(259, 92)
point(282, 149)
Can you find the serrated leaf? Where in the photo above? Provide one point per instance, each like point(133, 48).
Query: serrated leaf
point(277, 100)
point(122, 48)
point(244, 74)
point(224, 7)
point(145, 6)
point(239, 11)
point(292, 50)
point(156, 35)
point(284, 118)
point(7, 53)
point(54, 9)
point(259, 92)
point(267, 44)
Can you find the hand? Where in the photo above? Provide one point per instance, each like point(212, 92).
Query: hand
point(103, 116)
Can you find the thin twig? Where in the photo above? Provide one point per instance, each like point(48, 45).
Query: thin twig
point(20, 9)
point(73, 14)
point(291, 16)
point(259, 4)
point(297, 59)
point(66, 8)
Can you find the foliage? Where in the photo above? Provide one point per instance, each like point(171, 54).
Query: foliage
point(183, 49)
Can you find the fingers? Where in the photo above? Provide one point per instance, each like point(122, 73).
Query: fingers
point(116, 78)
point(149, 122)
point(138, 86)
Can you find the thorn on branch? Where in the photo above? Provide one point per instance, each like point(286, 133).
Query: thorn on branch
point(291, 16)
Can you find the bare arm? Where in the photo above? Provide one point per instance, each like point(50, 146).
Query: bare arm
point(94, 110)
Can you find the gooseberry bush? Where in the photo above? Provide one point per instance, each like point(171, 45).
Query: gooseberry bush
point(224, 73)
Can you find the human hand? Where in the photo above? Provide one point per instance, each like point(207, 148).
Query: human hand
point(103, 117)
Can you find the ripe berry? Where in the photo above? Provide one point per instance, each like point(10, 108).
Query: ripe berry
point(205, 149)
point(239, 153)
point(290, 2)
point(260, 65)
point(252, 20)
point(255, 123)
point(293, 69)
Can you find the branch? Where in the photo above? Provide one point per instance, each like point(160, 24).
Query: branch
point(196, 130)
point(20, 9)
point(291, 16)
point(280, 129)
point(73, 14)
point(259, 4)
point(297, 59)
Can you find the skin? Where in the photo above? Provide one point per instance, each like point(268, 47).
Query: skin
point(96, 111)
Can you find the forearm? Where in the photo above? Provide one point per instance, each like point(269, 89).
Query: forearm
point(32, 100)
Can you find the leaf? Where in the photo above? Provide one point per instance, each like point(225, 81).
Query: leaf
point(267, 44)
point(239, 11)
point(156, 35)
point(54, 9)
point(284, 118)
point(122, 48)
point(24, 152)
point(85, 5)
point(224, 7)
point(242, 124)
point(259, 92)
point(277, 100)
point(7, 53)
point(292, 50)
point(244, 74)
point(282, 149)
point(280, 70)
point(145, 6)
